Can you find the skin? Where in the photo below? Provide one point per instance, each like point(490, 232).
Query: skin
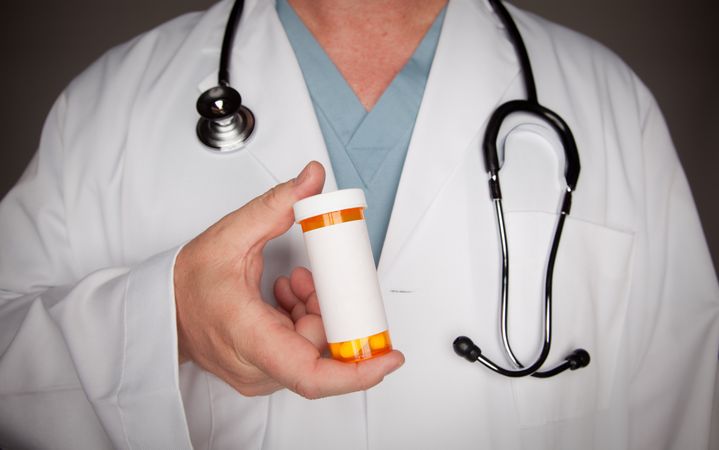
point(225, 326)
point(369, 41)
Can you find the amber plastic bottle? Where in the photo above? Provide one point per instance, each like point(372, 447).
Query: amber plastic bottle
point(345, 277)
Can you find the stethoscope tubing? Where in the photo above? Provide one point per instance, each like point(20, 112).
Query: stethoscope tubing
point(463, 345)
point(226, 125)
point(233, 22)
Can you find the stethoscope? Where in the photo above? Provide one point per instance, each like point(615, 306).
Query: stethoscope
point(226, 125)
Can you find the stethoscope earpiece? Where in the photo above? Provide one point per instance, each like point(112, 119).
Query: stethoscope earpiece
point(578, 358)
point(225, 124)
point(464, 347)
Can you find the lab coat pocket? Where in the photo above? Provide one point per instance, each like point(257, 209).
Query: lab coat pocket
point(590, 295)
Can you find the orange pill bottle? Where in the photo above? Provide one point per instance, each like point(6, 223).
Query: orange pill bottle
point(344, 273)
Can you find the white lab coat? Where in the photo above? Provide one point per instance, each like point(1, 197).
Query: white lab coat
point(88, 238)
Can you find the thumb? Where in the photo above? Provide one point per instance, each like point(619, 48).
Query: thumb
point(271, 214)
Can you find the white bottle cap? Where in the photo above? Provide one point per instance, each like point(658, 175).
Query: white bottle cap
point(329, 202)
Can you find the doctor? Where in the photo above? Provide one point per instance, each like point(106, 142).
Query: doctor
point(136, 270)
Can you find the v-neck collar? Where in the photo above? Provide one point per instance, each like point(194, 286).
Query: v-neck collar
point(395, 111)
point(367, 148)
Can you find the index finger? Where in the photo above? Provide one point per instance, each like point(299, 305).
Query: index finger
point(298, 365)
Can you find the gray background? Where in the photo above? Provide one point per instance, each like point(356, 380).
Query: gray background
point(672, 45)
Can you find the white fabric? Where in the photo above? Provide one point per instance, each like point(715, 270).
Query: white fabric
point(88, 238)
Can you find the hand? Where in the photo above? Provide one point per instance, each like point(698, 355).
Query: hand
point(226, 328)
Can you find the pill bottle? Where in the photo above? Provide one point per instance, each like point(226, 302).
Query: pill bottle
point(344, 273)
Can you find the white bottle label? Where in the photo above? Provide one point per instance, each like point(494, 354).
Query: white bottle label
point(346, 281)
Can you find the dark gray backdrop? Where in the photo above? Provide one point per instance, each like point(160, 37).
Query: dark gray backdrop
point(672, 45)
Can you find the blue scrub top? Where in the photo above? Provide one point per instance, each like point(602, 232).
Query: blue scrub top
point(366, 148)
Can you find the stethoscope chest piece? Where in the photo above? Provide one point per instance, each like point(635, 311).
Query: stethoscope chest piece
point(225, 124)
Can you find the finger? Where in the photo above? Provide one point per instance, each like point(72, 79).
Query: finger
point(271, 214)
point(310, 326)
point(284, 295)
point(303, 287)
point(330, 377)
point(346, 377)
point(288, 301)
point(296, 363)
point(282, 311)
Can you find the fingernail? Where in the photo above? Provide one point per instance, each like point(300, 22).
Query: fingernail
point(303, 175)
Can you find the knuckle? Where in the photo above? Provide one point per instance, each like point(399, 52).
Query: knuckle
point(271, 198)
point(246, 390)
point(253, 390)
point(310, 391)
point(251, 385)
point(245, 382)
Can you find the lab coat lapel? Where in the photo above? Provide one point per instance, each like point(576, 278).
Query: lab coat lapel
point(473, 67)
point(266, 73)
